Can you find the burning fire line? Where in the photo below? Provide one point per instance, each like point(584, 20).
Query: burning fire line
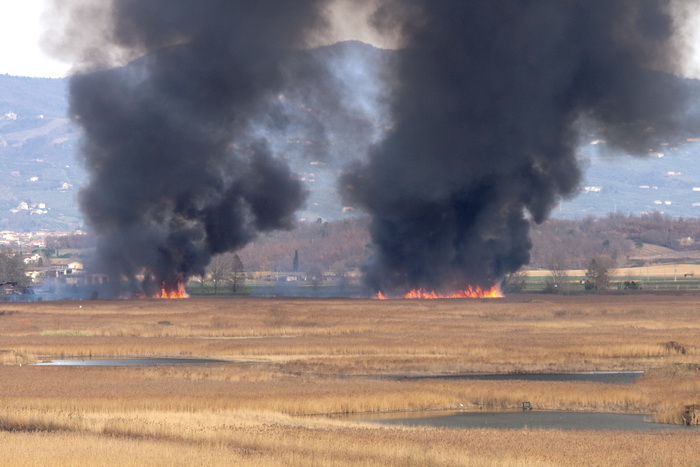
point(469, 292)
point(175, 290)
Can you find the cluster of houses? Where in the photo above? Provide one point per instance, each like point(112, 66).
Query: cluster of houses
point(48, 278)
point(72, 273)
point(41, 271)
point(63, 273)
point(33, 208)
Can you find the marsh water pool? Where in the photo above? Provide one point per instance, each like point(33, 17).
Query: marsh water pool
point(607, 377)
point(127, 361)
point(521, 420)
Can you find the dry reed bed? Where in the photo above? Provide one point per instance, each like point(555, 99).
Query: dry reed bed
point(221, 388)
point(325, 356)
point(174, 438)
point(362, 335)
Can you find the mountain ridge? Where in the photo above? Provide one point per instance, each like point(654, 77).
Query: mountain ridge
point(41, 175)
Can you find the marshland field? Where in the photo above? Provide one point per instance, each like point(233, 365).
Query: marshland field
point(294, 364)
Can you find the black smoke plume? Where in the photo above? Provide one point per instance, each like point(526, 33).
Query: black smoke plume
point(178, 172)
point(490, 101)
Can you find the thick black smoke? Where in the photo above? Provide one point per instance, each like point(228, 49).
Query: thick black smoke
point(176, 171)
point(489, 103)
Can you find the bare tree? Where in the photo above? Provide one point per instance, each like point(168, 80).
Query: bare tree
point(219, 271)
point(201, 279)
point(558, 280)
point(237, 273)
point(598, 275)
point(12, 268)
point(514, 282)
point(315, 276)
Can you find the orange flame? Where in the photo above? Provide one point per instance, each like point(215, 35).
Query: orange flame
point(170, 290)
point(469, 292)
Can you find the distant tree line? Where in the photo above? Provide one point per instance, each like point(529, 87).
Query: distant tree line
point(55, 243)
point(225, 274)
point(573, 243)
point(311, 248)
point(558, 245)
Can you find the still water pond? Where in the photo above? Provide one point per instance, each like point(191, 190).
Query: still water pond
point(522, 419)
point(608, 377)
point(129, 362)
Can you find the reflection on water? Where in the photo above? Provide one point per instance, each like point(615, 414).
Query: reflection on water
point(609, 377)
point(129, 362)
point(521, 419)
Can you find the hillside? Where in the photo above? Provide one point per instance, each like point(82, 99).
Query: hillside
point(31, 97)
point(667, 182)
point(40, 171)
point(344, 246)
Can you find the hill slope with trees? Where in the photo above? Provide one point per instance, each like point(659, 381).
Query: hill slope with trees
point(343, 246)
point(41, 173)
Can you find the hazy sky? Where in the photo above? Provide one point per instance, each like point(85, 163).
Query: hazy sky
point(22, 26)
point(20, 31)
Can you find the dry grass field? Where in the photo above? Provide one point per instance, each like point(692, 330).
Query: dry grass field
point(296, 360)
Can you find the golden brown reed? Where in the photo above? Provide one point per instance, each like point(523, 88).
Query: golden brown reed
point(458, 335)
point(300, 357)
point(242, 438)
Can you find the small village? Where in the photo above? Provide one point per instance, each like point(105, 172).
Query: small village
point(41, 265)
